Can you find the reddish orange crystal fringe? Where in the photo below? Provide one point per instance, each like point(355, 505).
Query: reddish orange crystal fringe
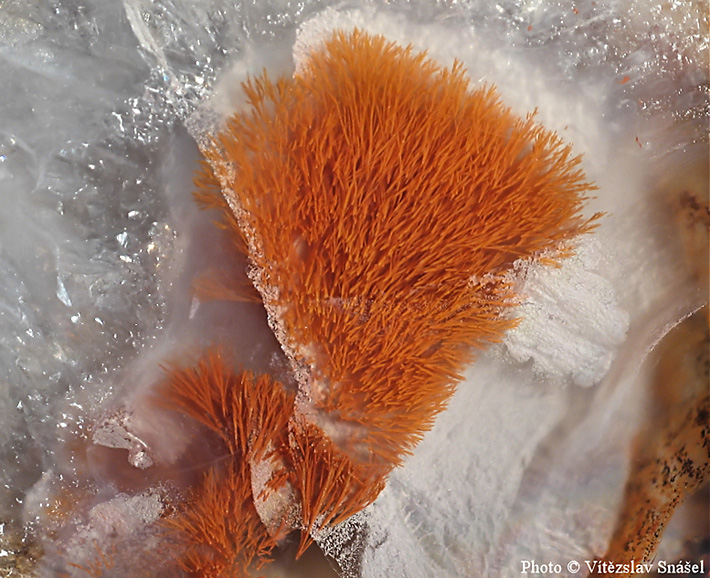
point(220, 529)
point(381, 203)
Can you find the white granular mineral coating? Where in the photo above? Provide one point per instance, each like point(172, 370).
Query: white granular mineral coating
point(273, 507)
point(122, 517)
point(475, 488)
point(570, 321)
point(115, 432)
point(125, 514)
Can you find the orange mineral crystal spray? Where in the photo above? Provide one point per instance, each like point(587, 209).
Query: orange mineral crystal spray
point(382, 203)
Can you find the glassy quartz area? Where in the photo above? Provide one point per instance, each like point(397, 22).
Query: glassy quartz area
point(103, 107)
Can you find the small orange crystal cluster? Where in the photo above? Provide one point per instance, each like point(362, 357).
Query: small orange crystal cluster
point(381, 204)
